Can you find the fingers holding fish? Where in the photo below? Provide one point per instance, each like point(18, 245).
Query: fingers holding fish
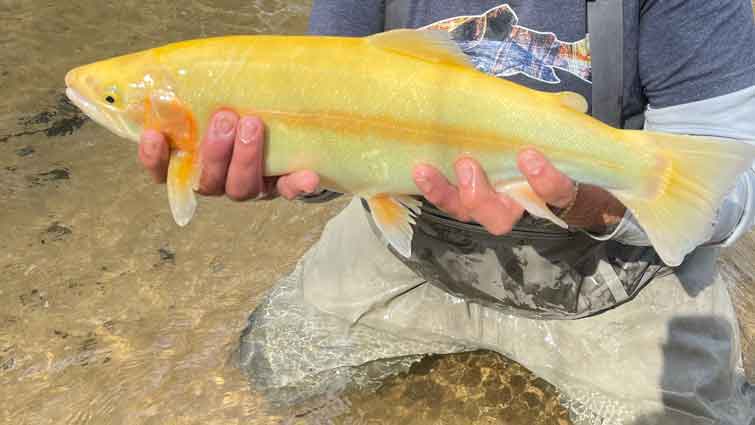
point(474, 198)
point(232, 154)
point(553, 187)
point(438, 191)
point(154, 154)
point(495, 211)
point(245, 175)
point(216, 151)
point(591, 207)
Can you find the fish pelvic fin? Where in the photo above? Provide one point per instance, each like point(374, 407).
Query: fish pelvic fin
point(183, 176)
point(678, 208)
point(394, 217)
point(433, 46)
point(521, 192)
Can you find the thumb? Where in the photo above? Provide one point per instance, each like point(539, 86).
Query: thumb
point(298, 183)
point(154, 154)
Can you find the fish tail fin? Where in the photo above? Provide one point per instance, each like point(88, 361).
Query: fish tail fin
point(677, 208)
point(183, 176)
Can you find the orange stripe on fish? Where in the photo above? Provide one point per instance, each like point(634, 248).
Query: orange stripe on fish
point(389, 128)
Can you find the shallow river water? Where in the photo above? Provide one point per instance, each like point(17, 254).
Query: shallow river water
point(111, 314)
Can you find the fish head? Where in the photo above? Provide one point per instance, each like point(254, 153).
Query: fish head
point(114, 92)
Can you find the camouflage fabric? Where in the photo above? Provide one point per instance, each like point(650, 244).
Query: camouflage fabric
point(537, 271)
point(671, 356)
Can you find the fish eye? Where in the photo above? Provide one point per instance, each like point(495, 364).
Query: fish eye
point(110, 94)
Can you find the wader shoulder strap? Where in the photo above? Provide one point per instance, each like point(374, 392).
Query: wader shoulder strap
point(605, 28)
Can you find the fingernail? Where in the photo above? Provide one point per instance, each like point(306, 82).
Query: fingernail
point(465, 173)
point(224, 126)
point(422, 179)
point(248, 129)
point(423, 183)
point(533, 163)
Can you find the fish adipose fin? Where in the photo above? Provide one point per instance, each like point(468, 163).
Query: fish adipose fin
point(165, 113)
point(678, 208)
point(573, 101)
point(394, 216)
point(429, 45)
point(522, 193)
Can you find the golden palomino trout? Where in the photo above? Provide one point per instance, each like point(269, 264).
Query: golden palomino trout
point(363, 112)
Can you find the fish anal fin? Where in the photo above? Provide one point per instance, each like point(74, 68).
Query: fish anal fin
point(429, 45)
point(183, 173)
point(521, 192)
point(394, 216)
point(572, 100)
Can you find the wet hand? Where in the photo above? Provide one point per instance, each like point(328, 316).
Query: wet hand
point(231, 153)
point(475, 199)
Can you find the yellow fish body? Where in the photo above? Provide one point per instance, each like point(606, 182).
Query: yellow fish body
point(363, 112)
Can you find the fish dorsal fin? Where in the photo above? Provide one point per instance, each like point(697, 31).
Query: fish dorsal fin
point(429, 45)
point(573, 101)
point(394, 216)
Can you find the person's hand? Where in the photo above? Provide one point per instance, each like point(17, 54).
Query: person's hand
point(231, 154)
point(592, 208)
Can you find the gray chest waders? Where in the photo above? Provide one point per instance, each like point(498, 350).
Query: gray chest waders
point(540, 270)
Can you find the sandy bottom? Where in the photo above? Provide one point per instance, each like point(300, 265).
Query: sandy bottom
point(111, 314)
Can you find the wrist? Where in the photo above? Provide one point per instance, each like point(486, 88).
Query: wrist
point(594, 210)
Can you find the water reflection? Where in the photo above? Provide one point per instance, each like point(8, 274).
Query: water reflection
point(113, 315)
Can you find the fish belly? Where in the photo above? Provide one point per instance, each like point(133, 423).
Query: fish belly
point(367, 163)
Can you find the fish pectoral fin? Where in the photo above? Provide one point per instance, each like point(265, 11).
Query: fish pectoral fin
point(168, 115)
point(524, 195)
point(429, 45)
point(183, 173)
point(394, 216)
point(573, 101)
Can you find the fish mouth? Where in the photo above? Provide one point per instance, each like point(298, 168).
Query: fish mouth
point(109, 118)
